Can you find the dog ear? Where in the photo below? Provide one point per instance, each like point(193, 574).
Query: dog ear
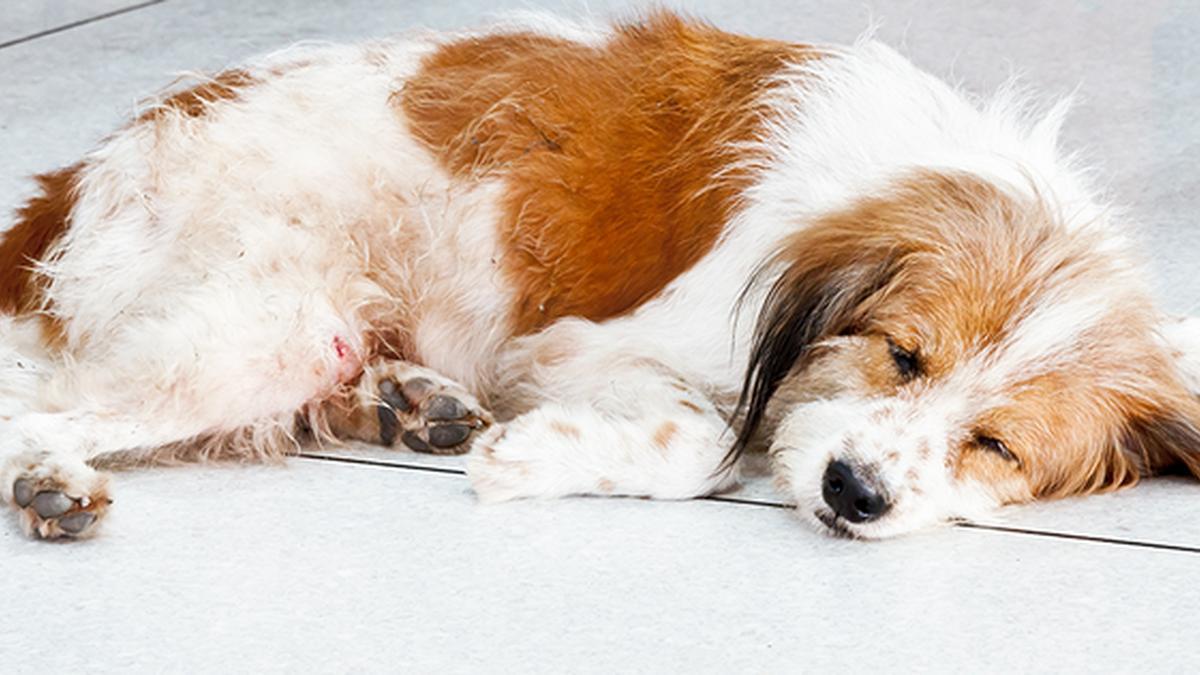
point(1166, 441)
point(1157, 428)
point(1167, 436)
point(823, 291)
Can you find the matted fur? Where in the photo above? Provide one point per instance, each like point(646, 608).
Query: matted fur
point(641, 245)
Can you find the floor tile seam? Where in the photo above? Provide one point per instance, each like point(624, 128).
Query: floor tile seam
point(738, 501)
point(78, 23)
point(363, 461)
point(1088, 538)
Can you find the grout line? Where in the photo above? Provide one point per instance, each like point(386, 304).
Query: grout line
point(746, 502)
point(389, 465)
point(1178, 548)
point(1082, 537)
point(459, 472)
point(76, 24)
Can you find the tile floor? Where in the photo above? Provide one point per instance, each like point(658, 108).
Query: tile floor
point(370, 560)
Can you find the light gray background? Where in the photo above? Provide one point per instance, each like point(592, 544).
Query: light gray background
point(389, 566)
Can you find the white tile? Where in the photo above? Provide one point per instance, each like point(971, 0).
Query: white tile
point(328, 567)
point(22, 18)
point(1159, 511)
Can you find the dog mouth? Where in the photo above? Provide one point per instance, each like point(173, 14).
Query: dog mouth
point(835, 526)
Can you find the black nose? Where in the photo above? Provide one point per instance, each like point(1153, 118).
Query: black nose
point(849, 497)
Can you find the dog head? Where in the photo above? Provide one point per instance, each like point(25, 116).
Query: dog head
point(951, 346)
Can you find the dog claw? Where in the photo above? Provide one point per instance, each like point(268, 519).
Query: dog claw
point(76, 522)
point(52, 504)
point(23, 492)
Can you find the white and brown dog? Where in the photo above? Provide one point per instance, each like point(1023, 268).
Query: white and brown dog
point(586, 254)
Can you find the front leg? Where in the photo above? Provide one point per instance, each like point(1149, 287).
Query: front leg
point(648, 435)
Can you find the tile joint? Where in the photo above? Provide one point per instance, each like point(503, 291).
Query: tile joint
point(76, 24)
point(1048, 534)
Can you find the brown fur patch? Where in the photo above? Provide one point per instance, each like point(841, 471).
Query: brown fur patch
point(947, 261)
point(39, 224)
point(691, 406)
point(665, 434)
point(195, 101)
point(620, 160)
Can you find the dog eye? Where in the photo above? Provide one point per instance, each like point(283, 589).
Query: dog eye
point(908, 363)
point(995, 445)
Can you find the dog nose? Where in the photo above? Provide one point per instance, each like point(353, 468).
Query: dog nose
point(849, 497)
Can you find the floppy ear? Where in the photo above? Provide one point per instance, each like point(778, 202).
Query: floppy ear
point(1160, 432)
point(823, 290)
point(1165, 441)
point(1168, 436)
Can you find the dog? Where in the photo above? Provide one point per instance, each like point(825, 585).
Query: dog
point(606, 260)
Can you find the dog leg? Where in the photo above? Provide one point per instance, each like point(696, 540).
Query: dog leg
point(55, 494)
point(234, 390)
point(401, 401)
point(598, 421)
point(45, 475)
point(671, 447)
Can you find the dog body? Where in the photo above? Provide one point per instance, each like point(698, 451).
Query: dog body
point(587, 253)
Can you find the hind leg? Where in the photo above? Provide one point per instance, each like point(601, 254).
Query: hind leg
point(46, 478)
point(401, 402)
point(55, 495)
point(234, 360)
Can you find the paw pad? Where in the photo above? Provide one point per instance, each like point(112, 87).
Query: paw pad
point(52, 504)
point(442, 407)
point(23, 492)
point(426, 416)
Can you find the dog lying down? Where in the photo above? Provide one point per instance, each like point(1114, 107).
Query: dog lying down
point(602, 260)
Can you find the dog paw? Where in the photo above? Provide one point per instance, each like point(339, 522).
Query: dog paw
point(526, 458)
point(425, 412)
point(56, 503)
point(497, 474)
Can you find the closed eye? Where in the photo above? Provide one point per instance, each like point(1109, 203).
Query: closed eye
point(995, 445)
point(908, 364)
